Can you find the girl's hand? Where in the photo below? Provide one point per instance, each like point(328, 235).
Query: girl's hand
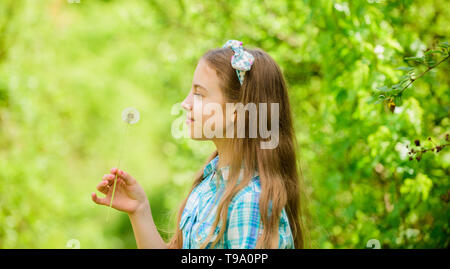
point(129, 196)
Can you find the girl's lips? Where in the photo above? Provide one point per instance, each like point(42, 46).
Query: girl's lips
point(189, 121)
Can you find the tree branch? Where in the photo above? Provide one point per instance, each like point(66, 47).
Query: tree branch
point(428, 69)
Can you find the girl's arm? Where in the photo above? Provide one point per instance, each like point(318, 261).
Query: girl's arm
point(145, 232)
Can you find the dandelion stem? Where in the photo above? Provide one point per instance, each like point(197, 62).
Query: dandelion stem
point(118, 165)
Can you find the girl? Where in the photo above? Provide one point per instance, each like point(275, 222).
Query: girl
point(245, 196)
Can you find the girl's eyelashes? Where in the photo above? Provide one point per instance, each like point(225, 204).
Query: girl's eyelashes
point(196, 92)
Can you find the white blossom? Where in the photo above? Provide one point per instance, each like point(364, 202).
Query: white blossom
point(130, 115)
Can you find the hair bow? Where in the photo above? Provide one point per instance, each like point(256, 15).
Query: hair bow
point(241, 60)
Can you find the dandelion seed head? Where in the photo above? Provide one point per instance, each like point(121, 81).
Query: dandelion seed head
point(130, 115)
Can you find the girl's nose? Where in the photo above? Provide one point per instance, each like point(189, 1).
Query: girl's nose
point(186, 105)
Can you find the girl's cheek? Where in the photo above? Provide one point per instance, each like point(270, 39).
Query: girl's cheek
point(198, 114)
point(197, 109)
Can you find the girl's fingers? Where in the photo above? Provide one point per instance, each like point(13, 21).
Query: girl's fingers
point(103, 187)
point(113, 170)
point(124, 175)
point(110, 178)
point(129, 180)
point(99, 200)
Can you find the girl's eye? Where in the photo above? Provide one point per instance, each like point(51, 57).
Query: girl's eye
point(197, 94)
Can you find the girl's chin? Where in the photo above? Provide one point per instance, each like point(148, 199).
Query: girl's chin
point(196, 138)
point(199, 139)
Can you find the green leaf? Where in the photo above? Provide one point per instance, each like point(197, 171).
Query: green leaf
point(383, 89)
point(381, 98)
point(398, 100)
point(444, 45)
point(396, 86)
point(341, 97)
point(417, 59)
point(405, 68)
point(431, 62)
point(434, 51)
point(404, 79)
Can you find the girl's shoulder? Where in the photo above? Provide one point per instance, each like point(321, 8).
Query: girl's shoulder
point(250, 195)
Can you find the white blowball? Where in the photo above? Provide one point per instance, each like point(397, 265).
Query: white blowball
point(130, 115)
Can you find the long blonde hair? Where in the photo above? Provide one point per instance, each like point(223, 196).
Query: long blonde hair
point(277, 168)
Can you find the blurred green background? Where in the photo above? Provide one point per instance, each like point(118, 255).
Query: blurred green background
point(67, 70)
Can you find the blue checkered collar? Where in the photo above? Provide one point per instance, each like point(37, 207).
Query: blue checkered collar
point(212, 167)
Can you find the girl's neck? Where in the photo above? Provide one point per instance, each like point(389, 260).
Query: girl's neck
point(223, 152)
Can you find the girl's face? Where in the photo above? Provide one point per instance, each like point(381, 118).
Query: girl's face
point(205, 93)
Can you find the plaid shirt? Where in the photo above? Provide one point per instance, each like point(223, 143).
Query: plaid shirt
point(243, 223)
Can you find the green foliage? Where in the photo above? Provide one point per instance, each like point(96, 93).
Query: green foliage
point(68, 70)
point(393, 95)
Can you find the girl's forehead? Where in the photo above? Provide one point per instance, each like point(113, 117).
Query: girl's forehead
point(206, 77)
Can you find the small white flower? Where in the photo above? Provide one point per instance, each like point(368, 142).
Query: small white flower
point(379, 51)
point(130, 115)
